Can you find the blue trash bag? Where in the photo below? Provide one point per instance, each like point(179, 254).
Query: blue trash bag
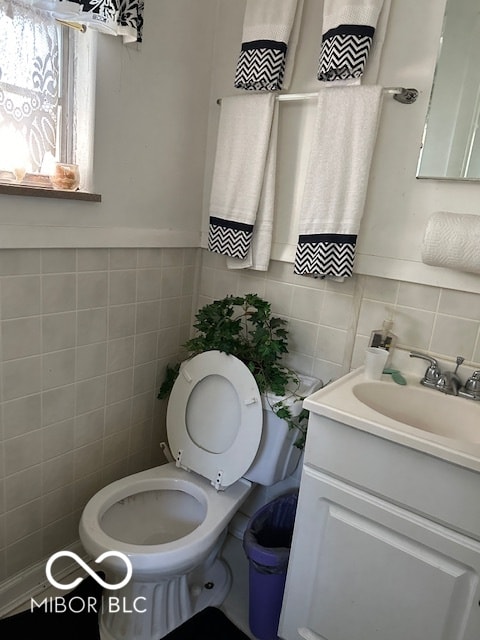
point(268, 537)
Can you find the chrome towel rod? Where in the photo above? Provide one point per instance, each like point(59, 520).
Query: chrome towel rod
point(405, 96)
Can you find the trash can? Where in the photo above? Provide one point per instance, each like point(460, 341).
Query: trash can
point(267, 541)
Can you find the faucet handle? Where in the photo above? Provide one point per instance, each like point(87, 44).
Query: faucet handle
point(433, 373)
point(472, 385)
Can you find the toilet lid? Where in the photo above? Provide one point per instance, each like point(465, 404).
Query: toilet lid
point(214, 417)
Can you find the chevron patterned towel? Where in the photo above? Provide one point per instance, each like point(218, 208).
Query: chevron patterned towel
point(348, 30)
point(336, 181)
point(244, 135)
point(269, 40)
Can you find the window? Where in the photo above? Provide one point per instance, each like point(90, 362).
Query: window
point(45, 103)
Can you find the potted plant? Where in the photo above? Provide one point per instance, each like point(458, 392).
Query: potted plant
point(243, 326)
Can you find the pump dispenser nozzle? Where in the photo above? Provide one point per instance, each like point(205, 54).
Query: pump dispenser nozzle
point(384, 338)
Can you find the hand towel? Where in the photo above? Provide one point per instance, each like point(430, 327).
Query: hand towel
point(269, 41)
point(343, 140)
point(347, 35)
point(258, 256)
point(452, 240)
point(243, 142)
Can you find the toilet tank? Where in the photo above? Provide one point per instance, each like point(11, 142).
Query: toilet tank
point(277, 457)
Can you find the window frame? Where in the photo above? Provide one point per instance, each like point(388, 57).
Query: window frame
point(76, 105)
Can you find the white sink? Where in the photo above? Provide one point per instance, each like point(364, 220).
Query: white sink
point(425, 419)
point(422, 408)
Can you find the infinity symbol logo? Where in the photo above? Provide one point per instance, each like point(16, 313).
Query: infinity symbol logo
point(78, 560)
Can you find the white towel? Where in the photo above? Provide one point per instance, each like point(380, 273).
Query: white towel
point(347, 35)
point(336, 182)
point(244, 136)
point(452, 240)
point(269, 41)
point(258, 256)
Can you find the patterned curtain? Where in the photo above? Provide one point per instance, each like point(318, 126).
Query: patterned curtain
point(115, 17)
point(29, 88)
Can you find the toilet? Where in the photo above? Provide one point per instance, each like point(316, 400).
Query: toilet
point(171, 521)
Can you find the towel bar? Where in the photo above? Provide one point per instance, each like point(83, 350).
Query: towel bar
point(405, 96)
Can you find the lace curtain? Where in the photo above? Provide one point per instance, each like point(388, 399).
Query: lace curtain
point(115, 17)
point(29, 88)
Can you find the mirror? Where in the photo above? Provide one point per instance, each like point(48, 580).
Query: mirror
point(451, 140)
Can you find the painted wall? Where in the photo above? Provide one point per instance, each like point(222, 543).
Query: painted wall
point(398, 204)
point(150, 133)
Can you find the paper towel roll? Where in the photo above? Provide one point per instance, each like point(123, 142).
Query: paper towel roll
point(452, 240)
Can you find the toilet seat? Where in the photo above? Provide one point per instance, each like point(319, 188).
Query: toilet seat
point(214, 418)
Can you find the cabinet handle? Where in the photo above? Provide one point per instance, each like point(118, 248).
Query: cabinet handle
point(308, 634)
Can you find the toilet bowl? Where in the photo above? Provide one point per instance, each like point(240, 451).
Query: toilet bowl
point(170, 521)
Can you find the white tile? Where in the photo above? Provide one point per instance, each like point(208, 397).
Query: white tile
point(123, 286)
point(59, 331)
point(307, 304)
point(20, 296)
point(120, 353)
point(418, 296)
point(119, 385)
point(460, 304)
point(337, 310)
point(22, 452)
point(58, 293)
point(23, 521)
point(91, 361)
point(121, 321)
point(58, 368)
point(454, 336)
point(91, 326)
point(19, 261)
point(23, 487)
point(22, 415)
point(92, 259)
point(149, 283)
point(58, 260)
point(123, 258)
point(90, 394)
point(89, 427)
point(21, 337)
point(58, 404)
point(92, 289)
point(21, 377)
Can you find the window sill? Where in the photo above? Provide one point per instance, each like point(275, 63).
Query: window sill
point(40, 192)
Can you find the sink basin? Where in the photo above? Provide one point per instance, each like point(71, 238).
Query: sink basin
point(412, 415)
point(425, 409)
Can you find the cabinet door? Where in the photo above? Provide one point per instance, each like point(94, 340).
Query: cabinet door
point(363, 569)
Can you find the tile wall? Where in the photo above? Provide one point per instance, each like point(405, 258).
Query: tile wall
point(330, 322)
point(85, 335)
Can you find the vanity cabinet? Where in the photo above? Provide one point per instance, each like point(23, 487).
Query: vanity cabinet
point(386, 543)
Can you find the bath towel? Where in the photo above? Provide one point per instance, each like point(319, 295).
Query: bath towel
point(452, 240)
point(347, 35)
point(243, 142)
point(258, 256)
point(343, 140)
point(269, 41)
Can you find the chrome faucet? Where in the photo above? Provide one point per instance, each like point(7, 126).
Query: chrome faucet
point(432, 374)
point(449, 381)
point(472, 387)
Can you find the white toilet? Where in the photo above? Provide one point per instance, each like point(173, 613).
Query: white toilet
point(171, 520)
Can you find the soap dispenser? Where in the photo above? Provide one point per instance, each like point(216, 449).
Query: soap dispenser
point(384, 338)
